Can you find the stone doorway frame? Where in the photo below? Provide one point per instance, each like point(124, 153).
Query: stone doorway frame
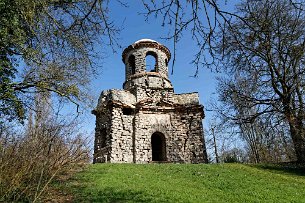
point(158, 147)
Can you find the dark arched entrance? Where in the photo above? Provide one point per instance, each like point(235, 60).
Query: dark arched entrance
point(158, 147)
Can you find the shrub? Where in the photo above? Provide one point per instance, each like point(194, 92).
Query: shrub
point(30, 159)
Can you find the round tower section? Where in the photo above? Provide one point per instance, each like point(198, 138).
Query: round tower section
point(138, 73)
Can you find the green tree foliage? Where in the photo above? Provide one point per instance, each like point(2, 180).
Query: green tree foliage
point(11, 34)
point(48, 45)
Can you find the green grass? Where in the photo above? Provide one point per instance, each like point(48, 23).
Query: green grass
point(188, 183)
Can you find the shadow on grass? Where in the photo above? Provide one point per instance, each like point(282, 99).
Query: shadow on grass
point(288, 168)
point(110, 194)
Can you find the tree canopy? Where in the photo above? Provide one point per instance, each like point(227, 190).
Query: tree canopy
point(49, 45)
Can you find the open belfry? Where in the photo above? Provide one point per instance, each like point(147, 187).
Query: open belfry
point(146, 121)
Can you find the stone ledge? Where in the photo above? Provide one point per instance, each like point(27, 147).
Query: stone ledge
point(147, 74)
point(187, 98)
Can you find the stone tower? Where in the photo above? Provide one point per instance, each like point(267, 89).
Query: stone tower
point(147, 121)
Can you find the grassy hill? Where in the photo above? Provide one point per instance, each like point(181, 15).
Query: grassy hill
point(188, 183)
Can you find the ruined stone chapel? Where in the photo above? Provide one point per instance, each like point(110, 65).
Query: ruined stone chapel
point(146, 121)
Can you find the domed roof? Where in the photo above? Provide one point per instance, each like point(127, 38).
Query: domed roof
point(145, 40)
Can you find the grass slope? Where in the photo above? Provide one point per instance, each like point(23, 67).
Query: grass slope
point(188, 183)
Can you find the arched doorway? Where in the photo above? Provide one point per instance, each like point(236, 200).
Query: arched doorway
point(158, 147)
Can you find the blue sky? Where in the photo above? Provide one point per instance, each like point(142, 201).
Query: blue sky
point(134, 28)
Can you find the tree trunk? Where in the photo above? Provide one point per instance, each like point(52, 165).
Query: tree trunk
point(297, 134)
point(215, 146)
point(297, 130)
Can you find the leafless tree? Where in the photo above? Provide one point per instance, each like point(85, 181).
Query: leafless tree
point(265, 51)
point(266, 136)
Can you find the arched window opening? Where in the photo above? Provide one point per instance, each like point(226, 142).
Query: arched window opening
point(151, 62)
point(166, 62)
point(102, 139)
point(158, 147)
point(132, 63)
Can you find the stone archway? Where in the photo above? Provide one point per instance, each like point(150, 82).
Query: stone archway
point(158, 146)
point(151, 61)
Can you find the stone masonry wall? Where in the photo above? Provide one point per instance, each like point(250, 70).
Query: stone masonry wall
point(129, 136)
point(183, 136)
point(121, 133)
point(150, 86)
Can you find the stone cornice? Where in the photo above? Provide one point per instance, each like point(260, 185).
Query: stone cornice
point(145, 74)
point(149, 44)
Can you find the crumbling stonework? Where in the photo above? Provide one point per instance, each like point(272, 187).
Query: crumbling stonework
point(147, 121)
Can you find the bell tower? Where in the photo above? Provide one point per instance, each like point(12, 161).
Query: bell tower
point(146, 121)
point(146, 82)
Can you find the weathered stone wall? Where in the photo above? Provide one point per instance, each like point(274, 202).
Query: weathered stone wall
point(183, 135)
point(131, 135)
point(148, 86)
point(122, 139)
point(186, 98)
point(122, 96)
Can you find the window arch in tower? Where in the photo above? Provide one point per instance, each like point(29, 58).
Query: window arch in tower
point(151, 60)
point(132, 63)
